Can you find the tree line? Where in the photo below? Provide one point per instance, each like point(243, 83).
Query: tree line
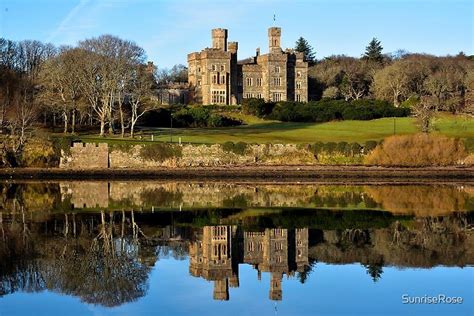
point(105, 83)
point(401, 78)
point(102, 82)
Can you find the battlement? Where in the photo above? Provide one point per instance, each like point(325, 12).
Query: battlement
point(219, 39)
point(86, 156)
point(233, 47)
point(274, 31)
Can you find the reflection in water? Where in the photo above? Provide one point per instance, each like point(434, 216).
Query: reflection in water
point(105, 257)
point(219, 250)
point(420, 200)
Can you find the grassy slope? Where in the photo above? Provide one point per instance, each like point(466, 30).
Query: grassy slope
point(260, 131)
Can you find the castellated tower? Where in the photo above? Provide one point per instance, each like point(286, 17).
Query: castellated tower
point(219, 39)
point(274, 36)
point(216, 76)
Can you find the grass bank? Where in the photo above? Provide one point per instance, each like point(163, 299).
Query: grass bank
point(261, 131)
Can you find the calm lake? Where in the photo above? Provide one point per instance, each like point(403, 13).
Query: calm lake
point(218, 248)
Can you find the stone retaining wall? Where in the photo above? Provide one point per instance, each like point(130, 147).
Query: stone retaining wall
point(87, 156)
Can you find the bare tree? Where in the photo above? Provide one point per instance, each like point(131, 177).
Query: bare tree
point(61, 84)
point(391, 83)
point(423, 111)
point(139, 95)
point(115, 60)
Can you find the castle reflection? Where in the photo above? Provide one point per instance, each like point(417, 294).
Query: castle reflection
point(216, 253)
point(66, 239)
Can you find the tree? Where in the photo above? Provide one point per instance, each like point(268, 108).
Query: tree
point(375, 271)
point(446, 84)
point(61, 84)
point(423, 111)
point(356, 79)
point(114, 60)
point(373, 51)
point(139, 95)
point(391, 83)
point(304, 47)
point(178, 73)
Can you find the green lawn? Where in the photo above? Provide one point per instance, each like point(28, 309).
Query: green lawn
point(260, 131)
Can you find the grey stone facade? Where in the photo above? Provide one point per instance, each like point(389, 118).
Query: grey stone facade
point(216, 76)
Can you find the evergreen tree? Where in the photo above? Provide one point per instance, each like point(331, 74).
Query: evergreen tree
point(373, 52)
point(303, 46)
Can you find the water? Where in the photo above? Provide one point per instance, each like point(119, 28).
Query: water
point(144, 247)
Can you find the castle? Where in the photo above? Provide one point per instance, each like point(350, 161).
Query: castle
point(216, 76)
point(216, 254)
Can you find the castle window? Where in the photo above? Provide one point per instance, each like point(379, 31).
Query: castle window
point(298, 74)
point(277, 69)
point(213, 67)
point(199, 82)
point(276, 97)
point(259, 82)
point(214, 79)
point(223, 79)
point(249, 81)
point(222, 67)
point(298, 84)
point(277, 81)
point(199, 69)
point(298, 98)
point(218, 97)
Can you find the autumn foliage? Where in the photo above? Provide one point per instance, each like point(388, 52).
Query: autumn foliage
point(418, 150)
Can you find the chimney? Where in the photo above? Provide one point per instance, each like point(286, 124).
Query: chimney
point(257, 53)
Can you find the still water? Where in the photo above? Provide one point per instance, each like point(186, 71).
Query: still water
point(214, 248)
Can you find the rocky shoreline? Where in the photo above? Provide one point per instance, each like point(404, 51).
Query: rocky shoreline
point(251, 173)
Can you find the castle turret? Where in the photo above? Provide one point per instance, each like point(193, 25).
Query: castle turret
point(233, 47)
point(221, 290)
point(274, 35)
point(219, 39)
point(275, 287)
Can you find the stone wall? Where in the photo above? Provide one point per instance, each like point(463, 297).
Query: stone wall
point(85, 156)
point(214, 156)
point(90, 156)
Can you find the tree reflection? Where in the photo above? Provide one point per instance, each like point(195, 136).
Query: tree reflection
point(94, 264)
point(104, 256)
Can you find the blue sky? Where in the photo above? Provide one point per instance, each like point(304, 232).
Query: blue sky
point(168, 30)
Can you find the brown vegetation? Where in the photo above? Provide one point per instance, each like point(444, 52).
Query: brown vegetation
point(417, 151)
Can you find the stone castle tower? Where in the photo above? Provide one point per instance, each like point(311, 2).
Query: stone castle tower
point(217, 77)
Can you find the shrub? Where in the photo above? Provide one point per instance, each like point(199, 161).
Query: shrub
point(469, 144)
point(238, 148)
point(39, 152)
point(418, 150)
point(328, 110)
point(369, 146)
point(123, 147)
point(354, 149)
point(330, 147)
point(202, 116)
point(317, 148)
point(257, 107)
point(160, 152)
point(341, 147)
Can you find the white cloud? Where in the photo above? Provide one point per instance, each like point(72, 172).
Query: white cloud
point(81, 19)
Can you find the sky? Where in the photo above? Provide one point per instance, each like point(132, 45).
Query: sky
point(168, 30)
